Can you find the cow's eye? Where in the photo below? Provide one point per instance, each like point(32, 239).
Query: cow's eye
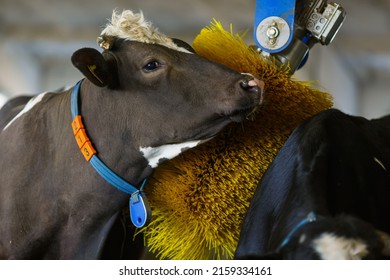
point(151, 66)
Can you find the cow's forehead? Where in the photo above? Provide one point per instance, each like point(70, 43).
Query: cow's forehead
point(134, 27)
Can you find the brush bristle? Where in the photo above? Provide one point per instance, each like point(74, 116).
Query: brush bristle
point(200, 198)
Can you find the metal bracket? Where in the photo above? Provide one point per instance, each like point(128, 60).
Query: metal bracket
point(274, 24)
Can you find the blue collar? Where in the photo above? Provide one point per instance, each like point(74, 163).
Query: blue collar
point(140, 212)
point(311, 217)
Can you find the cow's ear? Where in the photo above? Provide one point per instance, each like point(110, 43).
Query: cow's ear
point(93, 66)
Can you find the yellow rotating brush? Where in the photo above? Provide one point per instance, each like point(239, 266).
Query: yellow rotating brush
point(200, 198)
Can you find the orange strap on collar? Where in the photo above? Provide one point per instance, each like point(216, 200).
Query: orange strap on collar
point(82, 139)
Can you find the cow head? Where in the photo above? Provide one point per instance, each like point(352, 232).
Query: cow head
point(159, 92)
point(339, 238)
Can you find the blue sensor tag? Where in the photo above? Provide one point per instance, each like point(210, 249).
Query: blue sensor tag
point(140, 212)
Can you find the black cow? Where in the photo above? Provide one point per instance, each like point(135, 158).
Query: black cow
point(140, 103)
point(326, 195)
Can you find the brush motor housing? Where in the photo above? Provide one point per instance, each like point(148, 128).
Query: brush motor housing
point(287, 30)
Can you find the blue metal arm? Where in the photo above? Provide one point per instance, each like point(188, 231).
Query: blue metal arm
point(288, 38)
point(274, 24)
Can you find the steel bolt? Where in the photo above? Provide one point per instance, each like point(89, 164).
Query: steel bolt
point(272, 33)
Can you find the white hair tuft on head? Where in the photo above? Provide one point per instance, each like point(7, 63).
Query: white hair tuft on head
point(134, 27)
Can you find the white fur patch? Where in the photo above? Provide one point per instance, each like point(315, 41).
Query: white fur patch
point(154, 155)
point(133, 26)
point(3, 100)
point(331, 247)
point(34, 101)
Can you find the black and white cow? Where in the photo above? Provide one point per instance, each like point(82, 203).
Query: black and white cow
point(145, 99)
point(326, 195)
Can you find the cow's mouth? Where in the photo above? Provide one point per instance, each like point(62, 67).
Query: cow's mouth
point(242, 114)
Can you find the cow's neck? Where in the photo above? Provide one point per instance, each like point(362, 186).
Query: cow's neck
point(114, 143)
point(293, 210)
point(139, 208)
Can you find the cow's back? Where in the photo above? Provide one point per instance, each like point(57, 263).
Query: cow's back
point(11, 109)
point(358, 166)
point(32, 139)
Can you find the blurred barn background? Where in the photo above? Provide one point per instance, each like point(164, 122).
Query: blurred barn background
point(38, 37)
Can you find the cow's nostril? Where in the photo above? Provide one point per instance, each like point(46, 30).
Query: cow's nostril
point(244, 84)
point(250, 86)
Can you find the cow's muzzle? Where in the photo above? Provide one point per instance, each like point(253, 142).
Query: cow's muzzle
point(253, 89)
point(253, 85)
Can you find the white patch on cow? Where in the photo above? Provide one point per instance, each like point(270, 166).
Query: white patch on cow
point(302, 238)
point(154, 155)
point(380, 163)
point(3, 100)
point(134, 27)
point(34, 101)
point(332, 247)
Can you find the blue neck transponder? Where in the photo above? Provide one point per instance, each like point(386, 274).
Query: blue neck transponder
point(311, 217)
point(140, 211)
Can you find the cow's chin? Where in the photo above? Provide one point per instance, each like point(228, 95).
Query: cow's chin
point(242, 114)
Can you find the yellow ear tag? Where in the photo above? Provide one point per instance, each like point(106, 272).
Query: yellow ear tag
point(92, 69)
